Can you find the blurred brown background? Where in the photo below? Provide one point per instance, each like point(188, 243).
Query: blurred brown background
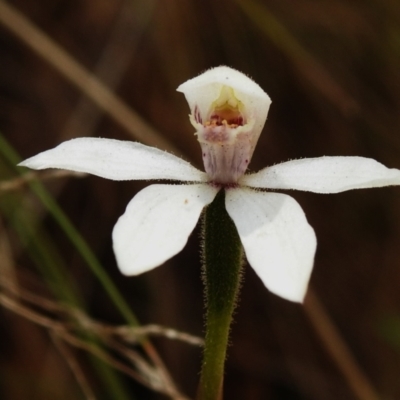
point(332, 69)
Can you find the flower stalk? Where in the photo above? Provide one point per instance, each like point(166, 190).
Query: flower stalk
point(222, 270)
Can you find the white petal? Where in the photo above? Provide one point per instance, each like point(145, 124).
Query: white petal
point(278, 241)
point(156, 225)
point(204, 89)
point(115, 159)
point(325, 175)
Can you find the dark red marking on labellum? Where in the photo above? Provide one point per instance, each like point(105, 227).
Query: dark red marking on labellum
point(227, 116)
point(197, 115)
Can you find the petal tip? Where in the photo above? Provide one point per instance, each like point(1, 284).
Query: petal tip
point(295, 297)
point(27, 163)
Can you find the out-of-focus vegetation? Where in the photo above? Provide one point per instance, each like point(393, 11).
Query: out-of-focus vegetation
point(332, 69)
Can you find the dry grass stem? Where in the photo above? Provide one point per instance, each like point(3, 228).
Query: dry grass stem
point(67, 322)
point(136, 334)
point(8, 274)
point(131, 335)
point(73, 364)
point(156, 378)
point(44, 46)
point(20, 182)
point(114, 61)
point(308, 65)
point(337, 348)
point(127, 333)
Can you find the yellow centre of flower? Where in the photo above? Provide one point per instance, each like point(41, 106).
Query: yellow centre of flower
point(226, 110)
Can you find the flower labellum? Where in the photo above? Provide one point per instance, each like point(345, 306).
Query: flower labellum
point(228, 111)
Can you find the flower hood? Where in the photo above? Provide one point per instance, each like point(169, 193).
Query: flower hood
point(228, 111)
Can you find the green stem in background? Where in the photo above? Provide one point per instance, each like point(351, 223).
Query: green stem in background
point(80, 244)
point(223, 260)
point(73, 235)
point(46, 257)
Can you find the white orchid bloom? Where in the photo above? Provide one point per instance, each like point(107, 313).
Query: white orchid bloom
point(228, 111)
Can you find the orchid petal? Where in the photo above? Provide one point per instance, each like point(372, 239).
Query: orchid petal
point(277, 239)
point(115, 159)
point(157, 224)
point(324, 175)
point(206, 87)
point(203, 90)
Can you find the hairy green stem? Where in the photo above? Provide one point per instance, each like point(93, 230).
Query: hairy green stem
point(223, 260)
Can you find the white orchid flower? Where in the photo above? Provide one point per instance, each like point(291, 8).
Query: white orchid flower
point(228, 111)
